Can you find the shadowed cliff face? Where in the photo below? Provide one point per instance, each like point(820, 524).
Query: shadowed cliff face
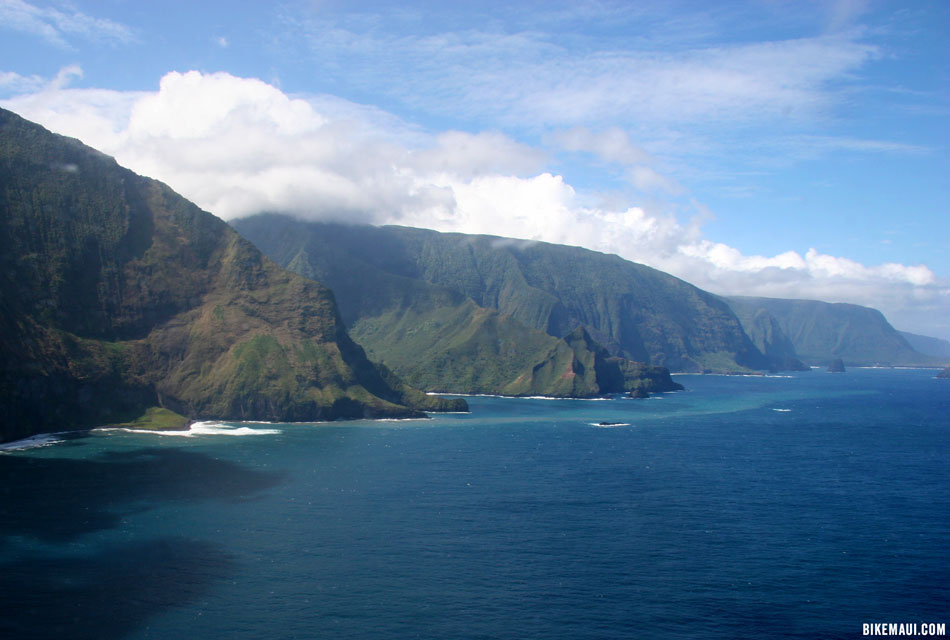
point(767, 335)
point(116, 294)
point(636, 312)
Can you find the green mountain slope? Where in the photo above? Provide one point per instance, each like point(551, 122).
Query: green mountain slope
point(821, 332)
point(636, 312)
point(434, 336)
point(767, 335)
point(117, 295)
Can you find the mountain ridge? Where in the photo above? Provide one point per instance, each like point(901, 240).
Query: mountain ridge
point(117, 295)
point(434, 335)
point(533, 288)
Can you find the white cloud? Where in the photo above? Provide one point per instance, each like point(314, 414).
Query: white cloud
point(237, 146)
point(99, 118)
point(14, 83)
point(610, 145)
point(63, 77)
point(476, 154)
point(647, 179)
point(842, 13)
point(537, 79)
point(614, 146)
point(57, 26)
point(787, 149)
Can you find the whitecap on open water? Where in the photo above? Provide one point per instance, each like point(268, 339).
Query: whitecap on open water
point(801, 506)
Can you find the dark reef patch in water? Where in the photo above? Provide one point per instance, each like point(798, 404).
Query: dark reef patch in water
point(110, 593)
point(60, 499)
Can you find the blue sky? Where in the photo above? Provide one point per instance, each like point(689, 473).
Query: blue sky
point(792, 149)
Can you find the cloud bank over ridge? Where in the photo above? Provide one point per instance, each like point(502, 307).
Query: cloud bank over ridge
point(238, 146)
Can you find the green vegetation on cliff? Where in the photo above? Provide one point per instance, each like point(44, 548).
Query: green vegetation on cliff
point(117, 296)
point(157, 419)
point(613, 373)
point(767, 335)
point(636, 312)
point(439, 339)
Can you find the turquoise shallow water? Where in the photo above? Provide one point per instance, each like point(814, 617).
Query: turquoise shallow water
point(774, 507)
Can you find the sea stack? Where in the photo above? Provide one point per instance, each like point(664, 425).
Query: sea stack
point(836, 366)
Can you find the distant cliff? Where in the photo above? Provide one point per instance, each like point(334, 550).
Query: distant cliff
point(118, 296)
point(928, 346)
point(767, 335)
point(635, 312)
point(820, 332)
point(433, 334)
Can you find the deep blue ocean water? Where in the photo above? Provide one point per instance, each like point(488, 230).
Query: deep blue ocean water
point(766, 507)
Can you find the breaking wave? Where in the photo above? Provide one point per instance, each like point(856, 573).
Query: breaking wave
point(203, 429)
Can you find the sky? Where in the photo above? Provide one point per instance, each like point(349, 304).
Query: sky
point(786, 149)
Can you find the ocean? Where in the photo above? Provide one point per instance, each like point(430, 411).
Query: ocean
point(789, 506)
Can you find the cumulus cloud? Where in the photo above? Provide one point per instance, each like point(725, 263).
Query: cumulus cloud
point(237, 146)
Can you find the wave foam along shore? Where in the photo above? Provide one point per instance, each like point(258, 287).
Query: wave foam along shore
point(493, 395)
point(33, 442)
point(202, 429)
point(221, 429)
